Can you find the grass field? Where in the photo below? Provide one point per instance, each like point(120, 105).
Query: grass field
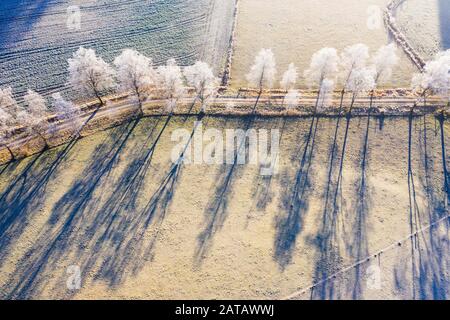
point(138, 227)
point(37, 37)
point(295, 29)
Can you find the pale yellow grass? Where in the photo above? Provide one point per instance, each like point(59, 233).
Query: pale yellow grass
point(258, 248)
point(295, 29)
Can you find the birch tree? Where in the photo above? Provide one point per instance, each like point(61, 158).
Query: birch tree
point(36, 117)
point(201, 77)
point(435, 79)
point(66, 112)
point(90, 74)
point(135, 73)
point(7, 101)
point(170, 82)
point(263, 71)
point(323, 67)
point(292, 99)
point(384, 60)
point(325, 94)
point(361, 80)
point(5, 131)
point(353, 58)
point(289, 78)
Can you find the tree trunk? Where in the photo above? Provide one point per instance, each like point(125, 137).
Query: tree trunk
point(141, 110)
point(99, 97)
point(46, 146)
point(341, 104)
point(13, 157)
point(257, 100)
point(352, 104)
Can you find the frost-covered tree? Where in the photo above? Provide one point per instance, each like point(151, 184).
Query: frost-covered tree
point(66, 112)
point(263, 71)
point(36, 117)
point(170, 82)
point(353, 58)
point(291, 99)
point(201, 77)
point(326, 94)
point(90, 74)
point(384, 60)
point(7, 101)
point(33, 125)
point(135, 72)
point(361, 80)
point(324, 65)
point(289, 78)
point(435, 79)
point(5, 131)
point(36, 104)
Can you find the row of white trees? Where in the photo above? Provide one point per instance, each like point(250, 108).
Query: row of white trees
point(90, 75)
point(134, 72)
point(354, 69)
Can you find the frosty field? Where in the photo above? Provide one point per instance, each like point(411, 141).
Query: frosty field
point(426, 24)
point(138, 227)
point(36, 41)
point(357, 208)
point(295, 29)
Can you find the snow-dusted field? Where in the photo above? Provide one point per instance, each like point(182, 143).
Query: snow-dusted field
point(138, 229)
point(295, 29)
point(426, 23)
point(37, 37)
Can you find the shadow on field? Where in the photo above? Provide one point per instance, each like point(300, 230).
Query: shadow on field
point(263, 193)
point(359, 247)
point(444, 158)
point(430, 258)
point(295, 202)
point(108, 226)
point(121, 234)
point(68, 215)
point(329, 259)
point(116, 231)
point(21, 200)
point(216, 209)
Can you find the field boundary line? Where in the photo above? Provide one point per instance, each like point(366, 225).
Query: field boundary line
point(367, 259)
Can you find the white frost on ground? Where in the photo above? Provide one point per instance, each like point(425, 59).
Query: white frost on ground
point(426, 24)
point(35, 41)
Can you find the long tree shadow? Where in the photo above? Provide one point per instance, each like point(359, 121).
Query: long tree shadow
point(119, 231)
point(444, 159)
point(359, 246)
point(26, 192)
point(329, 258)
point(431, 248)
point(263, 183)
point(67, 215)
point(414, 211)
point(216, 210)
point(23, 197)
point(296, 202)
point(121, 241)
